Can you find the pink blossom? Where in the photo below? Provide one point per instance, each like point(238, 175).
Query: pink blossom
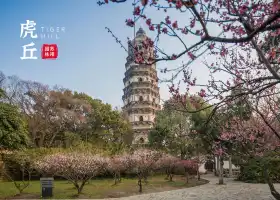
point(179, 4)
point(137, 11)
point(167, 20)
point(185, 31)
point(275, 6)
point(252, 138)
point(148, 22)
point(175, 24)
point(173, 57)
point(190, 54)
point(192, 23)
point(75, 167)
point(202, 93)
point(219, 152)
point(211, 46)
point(151, 28)
point(130, 22)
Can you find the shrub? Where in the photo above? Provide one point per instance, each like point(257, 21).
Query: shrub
point(252, 171)
point(18, 165)
point(209, 165)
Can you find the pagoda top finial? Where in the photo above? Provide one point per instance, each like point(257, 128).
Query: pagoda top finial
point(140, 32)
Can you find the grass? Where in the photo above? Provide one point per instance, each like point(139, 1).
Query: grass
point(101, 188)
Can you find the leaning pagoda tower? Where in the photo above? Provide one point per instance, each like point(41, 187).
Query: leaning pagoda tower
point(141, 92)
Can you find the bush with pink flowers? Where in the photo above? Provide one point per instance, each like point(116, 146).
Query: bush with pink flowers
point(78, 168)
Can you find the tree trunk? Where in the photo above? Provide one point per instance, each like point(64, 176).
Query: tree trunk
point(221, 171)
point(187, 176)
point(76, 186)
point(230, 166)
point(218, 165)
point(145, 175)
point(273, 191)
point(198, 159)
point(198, 174)
point(215, 167)
point(22, 174)
point(81, 187)
point(119, 178)
point(41, 140)
point(2, 169)
point(52, 139)
point(80, 190)
point(167, 174)
point(170, 177)
point(140, 185)
point(182, 155)
point(29, 176)
point(115, 178)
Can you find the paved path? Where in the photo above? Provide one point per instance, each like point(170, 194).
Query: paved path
point(232, 190)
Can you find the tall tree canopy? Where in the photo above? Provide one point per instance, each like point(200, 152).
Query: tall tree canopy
point(13, 129)
point(59, 117)
point(180, 132)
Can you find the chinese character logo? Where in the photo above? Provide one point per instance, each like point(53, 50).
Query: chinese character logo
point(49, 51)
point(26, 29)
point(26, 50)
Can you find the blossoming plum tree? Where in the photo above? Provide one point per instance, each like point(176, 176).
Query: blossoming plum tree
point(232, 32)
point(78, 168)
point(189, 166)
point(144, 161)
point(169, 164)
point(255, 136)
point(119, 164)
point(252, 135)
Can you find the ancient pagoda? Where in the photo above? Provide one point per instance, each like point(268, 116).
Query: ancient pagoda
point(141, 92)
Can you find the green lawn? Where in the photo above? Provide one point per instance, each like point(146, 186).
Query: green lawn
point(102, 188)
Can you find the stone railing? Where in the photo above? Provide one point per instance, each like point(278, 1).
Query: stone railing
point(235, 172)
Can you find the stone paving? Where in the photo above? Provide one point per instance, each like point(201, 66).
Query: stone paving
point(232, 190)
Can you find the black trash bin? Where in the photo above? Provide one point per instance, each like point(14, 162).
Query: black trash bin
point(47, 187)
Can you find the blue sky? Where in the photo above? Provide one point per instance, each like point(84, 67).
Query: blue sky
point(89, 60)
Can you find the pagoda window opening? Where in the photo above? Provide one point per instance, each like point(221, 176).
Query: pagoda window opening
point(141, 119)
point(140, 79)
point(141, 140)
point(154, 100)
point(140, 98)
